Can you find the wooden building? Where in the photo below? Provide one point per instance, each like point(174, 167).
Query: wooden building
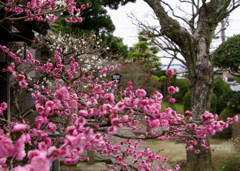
point(14, 31)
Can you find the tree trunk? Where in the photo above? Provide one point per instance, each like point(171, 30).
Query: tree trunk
point(201, 84)
point(199, 162)
point(201, 80)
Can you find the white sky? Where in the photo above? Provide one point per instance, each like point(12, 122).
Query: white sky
point(124, 27)
point(126, 30)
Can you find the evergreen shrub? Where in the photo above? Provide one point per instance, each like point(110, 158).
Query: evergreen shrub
point(183, 85)
point(226, 133)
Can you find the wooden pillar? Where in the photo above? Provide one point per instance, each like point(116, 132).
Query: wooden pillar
point(91, 156)
point(4, 76)
point(55, 165)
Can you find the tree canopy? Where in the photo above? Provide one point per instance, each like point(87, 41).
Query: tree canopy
point(145, 52)
point(227, 55)
point(113, 45)
point(95, 19)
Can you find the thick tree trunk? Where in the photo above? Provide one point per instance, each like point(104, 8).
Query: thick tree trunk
point(201, 80)
point(199, 162)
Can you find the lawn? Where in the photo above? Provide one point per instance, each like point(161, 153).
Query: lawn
point(176, 106)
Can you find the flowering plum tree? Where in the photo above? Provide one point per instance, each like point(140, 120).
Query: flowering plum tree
point(65, 108)
point(36, 10)
point(85, 50)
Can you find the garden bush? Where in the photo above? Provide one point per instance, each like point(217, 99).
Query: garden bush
point(230, 100)
point(231, 103)
point(226, 133)
point(213, 103)
point(183, 85)
point(187, 101)
point(221, 87)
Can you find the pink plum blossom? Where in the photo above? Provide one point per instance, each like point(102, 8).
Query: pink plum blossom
point(170, 72)
point(140, 93)
point(112, 130)
point(62, 93)
point(171, 90)
point(19, 127)
point(197, 151)
point(40, 163)
point(172, 100)
point(111, 69)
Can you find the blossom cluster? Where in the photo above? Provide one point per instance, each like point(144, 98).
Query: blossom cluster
point(43, 10)
point(171, 89)
point(66, 112)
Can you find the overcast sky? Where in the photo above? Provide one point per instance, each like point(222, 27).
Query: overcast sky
point(126, 30)
point(123, 24)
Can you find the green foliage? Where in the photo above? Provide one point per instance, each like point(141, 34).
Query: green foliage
point(154, 77)
point(213, 103)
point(188, 106)
point(145, 52)
point(183, 85)
point(221, 87)
point(237, 78)
point(176, 106)
point(227, 55)
point(187, 101)
point(141, 46)
point(113, 45)
point(95, 19)
point(231, 100)
point(162, 78)
point(136, 55)
point(232, 164)
point(226, 133)
point(234, 102)
point(114, 4)
point(179, 108)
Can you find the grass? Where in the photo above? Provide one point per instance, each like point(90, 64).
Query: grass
point(176, 106)
point(67, 168)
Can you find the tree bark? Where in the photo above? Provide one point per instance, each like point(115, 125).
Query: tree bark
point(199, 162)
point(194, 46)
